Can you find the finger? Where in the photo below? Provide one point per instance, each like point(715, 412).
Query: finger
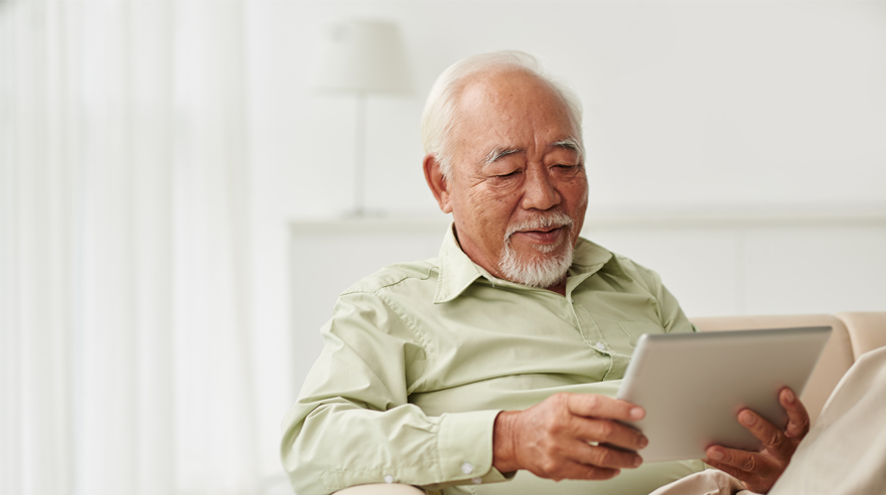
point(747, 478)
point(573, 470)
point(798, 417)
point(579, 471)
point(606, 456)
point(600, 406)
point(771, 437)
point(608, 432)
point(737, 460)
point(738, 473)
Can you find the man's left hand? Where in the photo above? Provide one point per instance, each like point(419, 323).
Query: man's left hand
point(760, 470)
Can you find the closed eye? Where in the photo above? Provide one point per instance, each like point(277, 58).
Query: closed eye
point(510, 174)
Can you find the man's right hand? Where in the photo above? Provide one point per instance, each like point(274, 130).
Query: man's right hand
point(553, 439)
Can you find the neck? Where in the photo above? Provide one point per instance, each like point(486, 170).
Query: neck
point(560, 288)
point(492, 267)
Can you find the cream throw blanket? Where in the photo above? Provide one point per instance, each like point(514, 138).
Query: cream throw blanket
point(843, 454)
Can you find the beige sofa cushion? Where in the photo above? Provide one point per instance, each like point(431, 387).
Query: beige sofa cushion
point(836, 359)
point(381, 489)
point(867, 330)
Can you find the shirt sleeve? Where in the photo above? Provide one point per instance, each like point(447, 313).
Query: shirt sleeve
point(353, 424)
point(673, 320)
point(672, 317)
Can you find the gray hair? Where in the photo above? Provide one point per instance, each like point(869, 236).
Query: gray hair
point(438, 120)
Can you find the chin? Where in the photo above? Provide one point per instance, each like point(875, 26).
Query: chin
point(542, 269)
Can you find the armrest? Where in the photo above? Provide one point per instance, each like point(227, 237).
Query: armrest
point(381, 489)
point(836, 359)
point(867, 330)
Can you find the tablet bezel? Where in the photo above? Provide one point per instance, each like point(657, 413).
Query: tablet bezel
point(692, 385)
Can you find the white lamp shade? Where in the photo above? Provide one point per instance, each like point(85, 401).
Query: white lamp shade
point(364, 56)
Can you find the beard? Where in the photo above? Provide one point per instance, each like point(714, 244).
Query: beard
point(543, 271)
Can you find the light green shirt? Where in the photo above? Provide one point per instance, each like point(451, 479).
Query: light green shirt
point(419, 358)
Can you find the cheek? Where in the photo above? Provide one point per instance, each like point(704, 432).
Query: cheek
point(491, 203)
point(577, 192)
point(490, 216)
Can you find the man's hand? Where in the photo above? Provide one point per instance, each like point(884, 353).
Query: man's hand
point(553, 439)
point(760, 470)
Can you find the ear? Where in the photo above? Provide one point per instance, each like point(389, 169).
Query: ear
point(438, 184)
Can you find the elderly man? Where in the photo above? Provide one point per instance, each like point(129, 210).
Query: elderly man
point(499, 358)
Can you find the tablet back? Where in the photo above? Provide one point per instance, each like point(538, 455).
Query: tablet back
point(693, 385)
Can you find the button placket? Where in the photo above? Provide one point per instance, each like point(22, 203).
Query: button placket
point(576, 321)
point(591, 333)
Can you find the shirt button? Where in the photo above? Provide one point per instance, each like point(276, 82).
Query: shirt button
point(600, 346)
point(476, 481)
point(467, 468)
point(389, 479)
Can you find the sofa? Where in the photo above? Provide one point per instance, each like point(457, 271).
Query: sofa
point(854, 333)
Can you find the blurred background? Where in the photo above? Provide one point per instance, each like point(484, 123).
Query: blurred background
point(179, 183)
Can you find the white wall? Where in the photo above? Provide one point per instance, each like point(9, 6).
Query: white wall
point(689, 107)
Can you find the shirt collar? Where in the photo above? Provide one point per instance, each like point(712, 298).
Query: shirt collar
point(458, 272)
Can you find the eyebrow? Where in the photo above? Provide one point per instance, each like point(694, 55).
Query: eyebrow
point(570, 144)
point(499, 152)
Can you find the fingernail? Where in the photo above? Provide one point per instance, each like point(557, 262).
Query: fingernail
point(716, 455)
point(748, 419)
point(789, 396)
point(644, 442)
point(637, 413)
point(637, 461)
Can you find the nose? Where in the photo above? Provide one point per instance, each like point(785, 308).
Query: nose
point(539, 191)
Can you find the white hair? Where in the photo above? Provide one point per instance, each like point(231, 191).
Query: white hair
point(438, 120)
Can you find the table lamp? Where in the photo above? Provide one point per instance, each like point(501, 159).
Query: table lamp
point(363, 56)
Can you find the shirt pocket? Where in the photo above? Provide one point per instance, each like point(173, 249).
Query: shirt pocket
point(634, 329)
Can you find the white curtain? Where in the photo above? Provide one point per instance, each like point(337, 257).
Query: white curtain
point(124, 272)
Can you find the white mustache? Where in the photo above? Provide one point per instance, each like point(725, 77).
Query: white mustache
point(542, 222)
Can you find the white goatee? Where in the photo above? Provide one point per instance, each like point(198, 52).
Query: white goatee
point(545, 271)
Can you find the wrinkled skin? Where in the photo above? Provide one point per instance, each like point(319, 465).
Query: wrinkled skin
point(518, 112)
point(760, 470)
point(553, 439)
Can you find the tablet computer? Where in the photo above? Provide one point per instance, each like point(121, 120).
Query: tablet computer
point(692, 385)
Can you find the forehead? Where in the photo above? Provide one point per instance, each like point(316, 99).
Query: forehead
point(511, 108)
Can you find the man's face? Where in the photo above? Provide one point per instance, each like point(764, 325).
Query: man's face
point(518, 190)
